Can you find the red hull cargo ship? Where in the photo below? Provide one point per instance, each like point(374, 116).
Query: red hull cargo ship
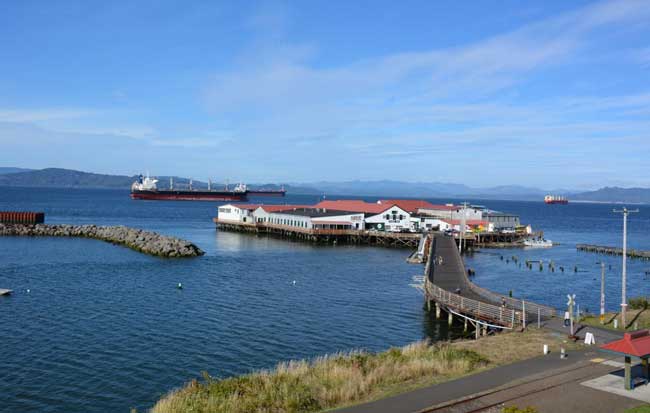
point(553, 199)
point(146, 188)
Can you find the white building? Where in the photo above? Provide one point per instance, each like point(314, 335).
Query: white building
point(236, 214)
point(392, 219)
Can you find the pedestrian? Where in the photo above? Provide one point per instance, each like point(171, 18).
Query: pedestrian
point(503, 302)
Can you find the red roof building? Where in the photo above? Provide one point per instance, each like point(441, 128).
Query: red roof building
point(636, 344)
point(278, 208)
point(409, 205)
point(353, 205)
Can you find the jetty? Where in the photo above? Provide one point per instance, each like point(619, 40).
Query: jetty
point(600, 249)
point(447, 287)
point(4, 291)
point(147, 242)
point(323, 235)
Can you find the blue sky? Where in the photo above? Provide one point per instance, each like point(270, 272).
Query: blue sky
point(554, 94)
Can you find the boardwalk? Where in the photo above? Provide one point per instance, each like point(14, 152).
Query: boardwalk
point(446, 285)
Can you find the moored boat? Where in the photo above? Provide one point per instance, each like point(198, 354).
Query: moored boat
point(538, 243)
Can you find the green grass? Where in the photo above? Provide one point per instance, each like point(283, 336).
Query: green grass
point(343, 379)
point(640, 409)
point(636, 319)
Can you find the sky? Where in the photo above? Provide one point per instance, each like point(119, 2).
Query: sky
point(552, 94)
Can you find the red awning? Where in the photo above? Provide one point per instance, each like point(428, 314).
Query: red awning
point(635, 344)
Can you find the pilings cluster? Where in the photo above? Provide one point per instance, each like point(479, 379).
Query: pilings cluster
point(377, 238)
point(140, 240)
point(599, 249)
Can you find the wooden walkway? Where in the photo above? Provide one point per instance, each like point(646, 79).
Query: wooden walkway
point(446, 284)
point(324, 236)
point(599, 249)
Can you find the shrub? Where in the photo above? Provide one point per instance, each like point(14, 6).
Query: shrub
point(638, 303)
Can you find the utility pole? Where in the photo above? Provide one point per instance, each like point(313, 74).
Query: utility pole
point(462, 226)
point(625, 213)
point(602, 292)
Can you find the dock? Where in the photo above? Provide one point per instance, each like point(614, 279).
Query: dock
point(324, 236)
point(447, 286)
point(4, 291)
point(600, 249)
point(504, 240)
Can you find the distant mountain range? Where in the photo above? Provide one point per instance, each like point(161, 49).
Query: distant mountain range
point(67, 178)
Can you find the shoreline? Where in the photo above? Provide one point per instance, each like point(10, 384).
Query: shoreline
point(345, 379)
point(146, 242)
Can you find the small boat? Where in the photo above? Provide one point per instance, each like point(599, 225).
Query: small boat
point(538, 243)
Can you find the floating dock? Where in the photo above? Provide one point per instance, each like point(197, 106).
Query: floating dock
point(21, 217)
point(4, 291)
point(599, 249)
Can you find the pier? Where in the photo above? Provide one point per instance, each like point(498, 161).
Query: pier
point(504, 239)
point(448, 288)
point(324, 236)
point(599, 249)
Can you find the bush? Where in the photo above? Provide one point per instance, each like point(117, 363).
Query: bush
point(638, 303)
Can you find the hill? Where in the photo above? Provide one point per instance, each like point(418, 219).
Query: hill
point(10, 170)
point(615, 195)
point(58, 177)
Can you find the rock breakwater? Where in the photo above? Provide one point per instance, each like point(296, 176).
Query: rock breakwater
point(140, 240)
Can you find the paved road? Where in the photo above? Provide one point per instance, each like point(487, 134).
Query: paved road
point(519, 380)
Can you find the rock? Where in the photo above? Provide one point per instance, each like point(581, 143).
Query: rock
point(144, 241)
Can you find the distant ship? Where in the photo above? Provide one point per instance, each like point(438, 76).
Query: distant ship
point(554, 199)
point(146, 188)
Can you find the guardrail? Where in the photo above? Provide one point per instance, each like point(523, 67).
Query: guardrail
point(477, 309)
point(530, 307)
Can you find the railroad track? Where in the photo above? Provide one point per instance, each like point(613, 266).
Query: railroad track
point(496, 398)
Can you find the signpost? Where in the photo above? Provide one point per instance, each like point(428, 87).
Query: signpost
point(571, 303)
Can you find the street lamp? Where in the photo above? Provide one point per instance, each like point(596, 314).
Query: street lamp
point(625, 213)
point(602, 292)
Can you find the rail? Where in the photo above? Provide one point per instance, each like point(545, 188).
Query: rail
point(530, 307)
point(478, 309)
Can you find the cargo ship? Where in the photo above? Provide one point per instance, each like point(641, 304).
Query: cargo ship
point(554, 199)
point(147, 188)
point(267, 192)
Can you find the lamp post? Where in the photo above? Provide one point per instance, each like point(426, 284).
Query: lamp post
point(625, 213)
point(602, 292)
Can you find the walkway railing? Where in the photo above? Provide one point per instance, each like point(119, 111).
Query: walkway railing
point(529, 307)
point(476, 309)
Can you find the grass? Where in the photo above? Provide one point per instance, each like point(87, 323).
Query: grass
point(343, 379)
point(639, 409)
point(636, 319)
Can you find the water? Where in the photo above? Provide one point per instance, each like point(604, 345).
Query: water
point(104, 328)
point(569, 225)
